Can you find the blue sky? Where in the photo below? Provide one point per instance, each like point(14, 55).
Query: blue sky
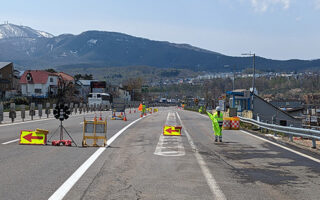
point(278, 29)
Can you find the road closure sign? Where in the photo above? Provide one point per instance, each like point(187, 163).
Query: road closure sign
point(38, 137)
point(172, 130)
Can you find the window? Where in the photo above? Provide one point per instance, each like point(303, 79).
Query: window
point(37, 91)
point(51, 80)
point(283, 123)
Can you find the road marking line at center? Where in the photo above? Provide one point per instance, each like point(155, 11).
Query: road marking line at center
point(283, 147)
point(213, 185)
point(73, 179)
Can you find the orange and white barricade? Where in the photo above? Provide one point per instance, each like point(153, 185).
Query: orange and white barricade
point(227, 123)
point(235, 123)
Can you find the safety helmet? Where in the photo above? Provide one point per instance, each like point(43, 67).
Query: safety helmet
point(218, 108)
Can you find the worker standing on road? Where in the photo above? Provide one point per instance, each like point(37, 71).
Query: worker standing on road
point(144, 108)
point(200, 109)
point(217, 121)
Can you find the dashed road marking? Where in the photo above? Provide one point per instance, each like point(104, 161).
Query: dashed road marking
point(213, 185)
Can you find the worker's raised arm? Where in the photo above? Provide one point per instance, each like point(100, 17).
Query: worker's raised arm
point(210, 115)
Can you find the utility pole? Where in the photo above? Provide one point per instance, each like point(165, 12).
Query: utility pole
point(254, 69)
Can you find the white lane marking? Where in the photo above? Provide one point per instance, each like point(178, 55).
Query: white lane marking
point(214, 187)
point(73, 179)
point(283, 147)
point(11, 141)
point(170, 145)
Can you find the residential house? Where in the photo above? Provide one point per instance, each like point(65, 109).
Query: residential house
point(39, 83)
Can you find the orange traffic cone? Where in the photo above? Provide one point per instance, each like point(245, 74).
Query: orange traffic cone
point(95, 118)
point(130, 111)
point(100, 118)
point(125, 118)
point(121, 113)
point(141, 115)
point(145, 114)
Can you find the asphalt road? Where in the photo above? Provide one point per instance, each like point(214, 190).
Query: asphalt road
point(141, 163)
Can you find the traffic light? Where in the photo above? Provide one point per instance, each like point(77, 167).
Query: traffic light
point(66, 112)
point(56, 112)
point(61, 112)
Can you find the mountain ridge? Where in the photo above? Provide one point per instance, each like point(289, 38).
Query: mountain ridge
point(112, 49)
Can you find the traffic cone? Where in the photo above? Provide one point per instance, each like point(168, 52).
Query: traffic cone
point(95, 118)
point(134, 111)
point(125, 118)
point(145, 114)
point(130, 111)
point(100, 118)
point(121, 113)
point(141, 115)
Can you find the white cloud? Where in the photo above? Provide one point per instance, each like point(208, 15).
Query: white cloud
point(264, 5)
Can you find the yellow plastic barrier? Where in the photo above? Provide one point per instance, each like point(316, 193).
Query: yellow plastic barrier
point(94, 127)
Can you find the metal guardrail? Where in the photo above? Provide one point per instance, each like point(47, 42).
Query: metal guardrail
point(291, 131)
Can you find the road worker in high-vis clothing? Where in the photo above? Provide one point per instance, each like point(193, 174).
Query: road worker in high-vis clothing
point(200, 109)
point(217, 121)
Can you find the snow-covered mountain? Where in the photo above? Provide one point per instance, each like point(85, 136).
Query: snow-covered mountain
point(15, 31)
point(37, 49)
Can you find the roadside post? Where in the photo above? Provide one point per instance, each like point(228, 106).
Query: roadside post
point(75, 108)
point(32, 110)
point(1, 112)
point(12, 113)
point(71, 108)
point(23, 112)
point(47, 109)
point(40, 110)
point(80, 108)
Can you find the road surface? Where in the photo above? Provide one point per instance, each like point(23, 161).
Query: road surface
point(141, 163)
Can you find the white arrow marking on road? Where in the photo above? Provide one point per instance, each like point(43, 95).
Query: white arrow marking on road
point(73, 179)
point(213, 185)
